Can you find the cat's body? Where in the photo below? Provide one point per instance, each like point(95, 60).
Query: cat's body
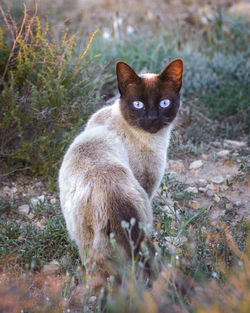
point(113, 168)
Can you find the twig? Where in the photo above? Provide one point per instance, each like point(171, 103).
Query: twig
point(16, 170)
point(7, 23)
point(15, 42)
point(27, 32)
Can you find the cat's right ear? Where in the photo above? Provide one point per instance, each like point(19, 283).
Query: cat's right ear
point(125, 76)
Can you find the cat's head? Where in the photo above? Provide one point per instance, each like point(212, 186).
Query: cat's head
point(150, 101)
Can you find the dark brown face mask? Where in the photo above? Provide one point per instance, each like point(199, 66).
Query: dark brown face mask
point(150, 103)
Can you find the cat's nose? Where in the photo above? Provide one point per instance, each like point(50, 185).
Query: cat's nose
point(152, 114)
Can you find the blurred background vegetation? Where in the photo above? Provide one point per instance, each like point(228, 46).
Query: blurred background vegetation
point(51, 79)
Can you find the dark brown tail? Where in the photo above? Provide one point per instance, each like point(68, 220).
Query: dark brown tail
point(124, 210)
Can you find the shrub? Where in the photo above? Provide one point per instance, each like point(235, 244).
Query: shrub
point(46, 94)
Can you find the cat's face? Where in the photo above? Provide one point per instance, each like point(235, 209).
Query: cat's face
point(150, 102)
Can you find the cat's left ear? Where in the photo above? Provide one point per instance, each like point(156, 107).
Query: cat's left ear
point(173, 72)
point(125, 76)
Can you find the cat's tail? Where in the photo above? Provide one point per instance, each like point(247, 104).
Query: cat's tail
point(116, 196)
point(124, 221)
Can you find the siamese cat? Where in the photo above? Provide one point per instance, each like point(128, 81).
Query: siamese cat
point(113, 169)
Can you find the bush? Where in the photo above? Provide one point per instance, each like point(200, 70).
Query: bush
point(47, 94)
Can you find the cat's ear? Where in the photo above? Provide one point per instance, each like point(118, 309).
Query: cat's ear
point(125, 76)
point(173, 72)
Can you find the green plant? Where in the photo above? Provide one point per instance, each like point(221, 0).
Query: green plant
point(47, 94)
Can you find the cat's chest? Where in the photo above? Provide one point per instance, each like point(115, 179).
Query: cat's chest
point(148, 167)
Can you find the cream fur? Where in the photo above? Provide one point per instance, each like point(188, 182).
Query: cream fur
point(109, 157)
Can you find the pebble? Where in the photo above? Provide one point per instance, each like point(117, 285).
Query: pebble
point(196, 164)
point(191, 189)
point(216, 144)
point(23, 209)
point(172, 174)
point(223, 153)
point(39, 224)
point(92, 299)
point(176, 165)
point(216, 198)
point(13, 190)
point(53, 201)
point(35, 201)
point(194, 205)
point(205, 156)
point(203, 229)
point(235, 154)
point(210, 193)
point(39, 184)
point(216, 214)
point(238, 203)
point(31, 216)
point(218, 180)
point(201, 182)
point(210, 187)
point(51, 268)
point(6, 191)
point(234, 144)
point(202, 189)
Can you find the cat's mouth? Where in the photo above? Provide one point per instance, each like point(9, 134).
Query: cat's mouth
point(150, 126)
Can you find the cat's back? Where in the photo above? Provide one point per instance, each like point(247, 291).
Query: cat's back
point(97, 145)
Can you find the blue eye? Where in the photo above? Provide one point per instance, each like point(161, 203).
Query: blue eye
point(138, 105)
point(164, 103)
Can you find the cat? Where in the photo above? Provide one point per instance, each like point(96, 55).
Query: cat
point(113, 168)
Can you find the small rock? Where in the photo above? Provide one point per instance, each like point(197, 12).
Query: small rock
point(24, 209)
point(218, 180)
point(202, 189)
point(171, 248)
point(215, 215)
point(223, 153)
point(39, 224)
point(6, 191)
point(203, 229)
point(234, 144)
point(41, 198)
point(39, 184)
point(13, 190)
point(92, 299)
point(51, 268)
point(205, 156)
point(216, 144)
point(36, 201)
point(194, 205)
point(201, 182)
point(171, 239)
point(235, 154)
point(53, 201)
point(196, 164)
point(176, 165)
point(191, 189)
point(210, 187)
point(31, 216)
point(216, 198)
point(238, 203)
point(210, 193)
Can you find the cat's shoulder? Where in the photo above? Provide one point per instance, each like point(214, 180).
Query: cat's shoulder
point(101, 117)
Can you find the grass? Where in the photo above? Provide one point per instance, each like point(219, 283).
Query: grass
point(37, 239)
point(190, 252)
